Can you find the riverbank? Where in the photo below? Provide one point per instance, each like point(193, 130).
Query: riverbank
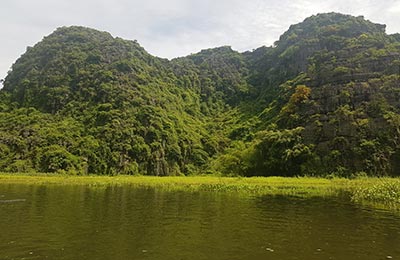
point(381, 192)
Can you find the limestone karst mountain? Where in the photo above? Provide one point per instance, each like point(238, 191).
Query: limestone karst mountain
point(323, 100)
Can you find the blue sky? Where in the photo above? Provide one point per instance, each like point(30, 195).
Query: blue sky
point(172, 28)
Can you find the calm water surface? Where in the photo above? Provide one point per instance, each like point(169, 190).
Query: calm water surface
point(77, 222)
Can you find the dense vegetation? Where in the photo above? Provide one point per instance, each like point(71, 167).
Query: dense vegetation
point(383, 193)
point(324, 100)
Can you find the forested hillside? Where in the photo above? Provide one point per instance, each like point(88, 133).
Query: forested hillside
point(324, 100)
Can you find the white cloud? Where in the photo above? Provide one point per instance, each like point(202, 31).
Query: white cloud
point(171, 28)
point(395, 8)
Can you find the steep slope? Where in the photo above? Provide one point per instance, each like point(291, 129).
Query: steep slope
point(335, 110)
point(350, 111)
point(323, 100)
point(128, 103)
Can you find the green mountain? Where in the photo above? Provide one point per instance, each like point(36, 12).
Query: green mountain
point(323, 100)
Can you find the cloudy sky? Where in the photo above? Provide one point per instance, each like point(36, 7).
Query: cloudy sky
point(172, 28)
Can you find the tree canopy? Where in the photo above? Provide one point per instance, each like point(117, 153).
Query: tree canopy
point(323, 100)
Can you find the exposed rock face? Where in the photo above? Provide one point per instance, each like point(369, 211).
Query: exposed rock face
point(324, 99)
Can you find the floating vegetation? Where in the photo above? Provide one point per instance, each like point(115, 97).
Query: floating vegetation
point(382, 192)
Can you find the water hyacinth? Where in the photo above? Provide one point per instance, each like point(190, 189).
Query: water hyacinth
point(381, 192)
point(386, 191)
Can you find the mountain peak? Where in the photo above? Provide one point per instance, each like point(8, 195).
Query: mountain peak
point(323, 100)
point(326, 24)
point(79, 34)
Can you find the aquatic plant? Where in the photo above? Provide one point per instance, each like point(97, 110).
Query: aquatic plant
point(382, 192)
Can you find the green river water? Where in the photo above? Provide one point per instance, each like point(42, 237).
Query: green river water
point(123, 222)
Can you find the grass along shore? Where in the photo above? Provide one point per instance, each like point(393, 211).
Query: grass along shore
point(379, 192)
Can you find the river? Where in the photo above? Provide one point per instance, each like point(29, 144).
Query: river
point(125, 222)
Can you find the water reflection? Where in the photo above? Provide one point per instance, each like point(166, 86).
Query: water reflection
point(80, 222)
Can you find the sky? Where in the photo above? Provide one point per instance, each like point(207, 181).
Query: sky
point(174, 28)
